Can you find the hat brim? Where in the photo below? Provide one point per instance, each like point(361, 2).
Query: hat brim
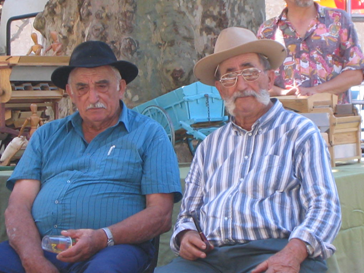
point(204, 69)
point(128, 72)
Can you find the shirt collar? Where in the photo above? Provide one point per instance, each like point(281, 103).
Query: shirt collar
point(75, 120)
point(320, 10)
point(264, 120)
point(283, 15)
point(272, 113)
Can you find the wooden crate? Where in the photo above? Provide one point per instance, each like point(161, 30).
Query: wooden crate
point(343, 136)
point(306, 104)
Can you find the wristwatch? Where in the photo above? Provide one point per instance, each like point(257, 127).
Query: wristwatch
point(110, 238)
point(310, 249)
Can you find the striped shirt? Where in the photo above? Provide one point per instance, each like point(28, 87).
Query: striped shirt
point(274, 181)
point(97, 184)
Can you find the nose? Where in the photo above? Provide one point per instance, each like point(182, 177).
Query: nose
point(241, 83)
point(93, 95)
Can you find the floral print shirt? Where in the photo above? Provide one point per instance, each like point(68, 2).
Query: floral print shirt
point(329, 47)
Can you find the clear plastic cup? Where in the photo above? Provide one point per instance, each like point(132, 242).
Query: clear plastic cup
point(56, 243)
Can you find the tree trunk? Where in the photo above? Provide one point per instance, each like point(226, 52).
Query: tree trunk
point(163, 38)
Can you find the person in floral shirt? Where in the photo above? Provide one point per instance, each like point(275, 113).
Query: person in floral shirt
point(323, 50)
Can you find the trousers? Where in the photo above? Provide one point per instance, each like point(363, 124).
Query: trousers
point(114, 259)
point(239, 258)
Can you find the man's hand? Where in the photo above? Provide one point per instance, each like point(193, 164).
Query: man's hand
point(288, 260)
point(306, 91)
point(293, 90)
point(281, 262)
point(277, 91)
point(191, 245)
point(88, 243)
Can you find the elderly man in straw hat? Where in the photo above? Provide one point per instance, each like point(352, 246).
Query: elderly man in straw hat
point(105, 176)
point(261, 186)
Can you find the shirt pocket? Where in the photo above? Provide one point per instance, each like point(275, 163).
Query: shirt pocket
point(271, 177)
point(118, 163)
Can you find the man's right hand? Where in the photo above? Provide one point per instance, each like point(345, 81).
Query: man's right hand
point(191, 245)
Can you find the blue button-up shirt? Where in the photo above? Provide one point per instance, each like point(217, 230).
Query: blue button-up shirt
point(96, 184)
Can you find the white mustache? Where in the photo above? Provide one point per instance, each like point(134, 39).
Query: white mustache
point(96, 105)
point(263, 97)
point(242, 94)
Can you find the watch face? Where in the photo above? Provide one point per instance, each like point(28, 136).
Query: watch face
point(110, 242)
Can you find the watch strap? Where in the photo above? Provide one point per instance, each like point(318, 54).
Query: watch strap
point(110, 238)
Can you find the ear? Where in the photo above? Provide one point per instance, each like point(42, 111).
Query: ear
point(122, 87)
point(220, 88)
point(271, 77)
point(69, 92)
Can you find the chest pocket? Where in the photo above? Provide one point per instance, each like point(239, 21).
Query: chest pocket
point(269, 178)
point(120, 162)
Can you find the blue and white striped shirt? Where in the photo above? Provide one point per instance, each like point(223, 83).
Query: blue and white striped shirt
point(274, 181)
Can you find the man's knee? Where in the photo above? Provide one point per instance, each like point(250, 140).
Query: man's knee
point(9, 259)
point(181, 265)
point(119, 258)
point(317, 265)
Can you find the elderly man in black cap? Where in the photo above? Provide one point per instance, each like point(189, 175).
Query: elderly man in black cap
point(105, 176)
point(261, 186)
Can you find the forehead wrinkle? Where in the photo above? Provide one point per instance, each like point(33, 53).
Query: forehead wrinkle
point(239, 62)
point(83, 73)
point(81, 84)
point(241, 66)
point(102, 81)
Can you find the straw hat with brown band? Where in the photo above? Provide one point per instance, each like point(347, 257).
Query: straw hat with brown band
point(234, 41)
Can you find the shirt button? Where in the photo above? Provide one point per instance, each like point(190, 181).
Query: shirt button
point(56, 202)
point(246, 157)
point(55, 226)
point(226, 218)
point(68, 181)
point(250, 134)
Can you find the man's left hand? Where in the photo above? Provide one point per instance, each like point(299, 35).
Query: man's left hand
point(88, 243)
point(288, 260)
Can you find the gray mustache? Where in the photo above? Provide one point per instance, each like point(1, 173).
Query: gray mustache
point(96, 105)
point(242, 94)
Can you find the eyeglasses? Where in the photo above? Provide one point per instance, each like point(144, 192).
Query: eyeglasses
point(249, 75)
